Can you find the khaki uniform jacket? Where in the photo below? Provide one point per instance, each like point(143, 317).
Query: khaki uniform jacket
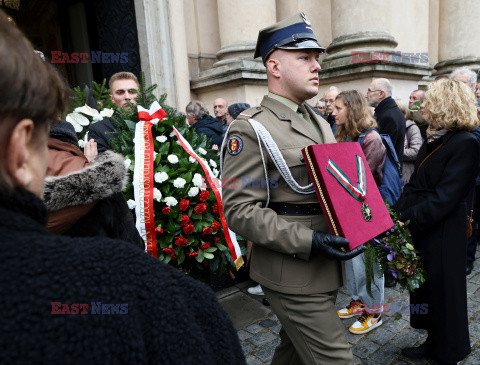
point(281, 252)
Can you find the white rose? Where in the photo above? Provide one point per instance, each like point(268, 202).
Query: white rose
point(202, 151)
point(179, 182)
point(192, 160)
point(171, 201)
point(215, 172)
point(213, 163)
point(131, 204)
point(172, 159)
point(157, 195)
point(127, 163)
point(193, 191)
point(154, 155)
point(197, 180)
point(160, 177)
point(161, 139)
point(81, 143)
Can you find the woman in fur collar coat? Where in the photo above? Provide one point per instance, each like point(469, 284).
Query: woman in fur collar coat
point(85, 198)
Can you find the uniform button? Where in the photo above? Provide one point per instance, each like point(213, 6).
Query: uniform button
point(302, 159)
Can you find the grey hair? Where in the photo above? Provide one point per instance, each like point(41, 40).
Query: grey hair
point(332, 88)
point(196, 109)
point(384, 85)
point(472, 76)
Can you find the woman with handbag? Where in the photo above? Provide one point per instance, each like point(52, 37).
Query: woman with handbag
point(434, 203)
point(354, 119)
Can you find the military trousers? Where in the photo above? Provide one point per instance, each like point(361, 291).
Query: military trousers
point(312, 332)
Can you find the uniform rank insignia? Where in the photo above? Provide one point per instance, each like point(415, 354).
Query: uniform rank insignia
point(234, 145)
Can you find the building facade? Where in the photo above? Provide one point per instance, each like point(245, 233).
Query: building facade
point(203, 49)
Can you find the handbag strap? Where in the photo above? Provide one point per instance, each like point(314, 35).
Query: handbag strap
point(431, 153)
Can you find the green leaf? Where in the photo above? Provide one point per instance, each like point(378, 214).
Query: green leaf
point(211, 249)
point(208, 255)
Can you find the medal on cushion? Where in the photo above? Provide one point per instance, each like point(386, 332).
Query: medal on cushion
point(360, 191)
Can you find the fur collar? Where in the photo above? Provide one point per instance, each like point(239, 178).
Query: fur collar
point(106, 176)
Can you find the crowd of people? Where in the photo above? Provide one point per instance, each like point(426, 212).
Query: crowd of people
point(54, 198)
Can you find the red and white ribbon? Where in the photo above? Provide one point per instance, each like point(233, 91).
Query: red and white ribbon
point(230, 236)
point(143, 182)
point(155, 112)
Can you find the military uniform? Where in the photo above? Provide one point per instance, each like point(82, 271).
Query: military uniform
point(300, 288)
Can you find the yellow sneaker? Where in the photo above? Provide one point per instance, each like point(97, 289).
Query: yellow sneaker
point(366, 323)
point(355, 308)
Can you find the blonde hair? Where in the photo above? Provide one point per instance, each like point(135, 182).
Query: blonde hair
point(451, 104)
point(403, 106)
point(359, 115)
point(122, 75)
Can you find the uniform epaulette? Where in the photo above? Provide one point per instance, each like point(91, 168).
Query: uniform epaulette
point(250, 113)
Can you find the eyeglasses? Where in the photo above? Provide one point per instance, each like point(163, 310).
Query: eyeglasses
point(372, 91)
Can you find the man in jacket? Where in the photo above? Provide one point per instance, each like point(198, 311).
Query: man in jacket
point(389, 117)
point(199, 119)
point(123, 89)
point(293, 259)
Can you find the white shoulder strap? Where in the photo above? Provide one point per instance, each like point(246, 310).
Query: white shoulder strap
point(276, 156)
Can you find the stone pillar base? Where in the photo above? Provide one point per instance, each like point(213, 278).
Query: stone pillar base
point(445, 67)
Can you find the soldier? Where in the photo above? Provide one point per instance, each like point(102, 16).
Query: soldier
point(294, 260)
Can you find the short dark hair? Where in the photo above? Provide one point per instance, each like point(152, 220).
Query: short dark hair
point(30, 88)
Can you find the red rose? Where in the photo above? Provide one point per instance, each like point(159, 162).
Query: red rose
point(207, 230)
point(204, 246)
point(166, 210)
point(192, 254)
point(185, 219)
point(217, 239)
point(200, 208)
point(215, 226)
point(169, 251)
point(174, 258)
point(159, 230)
point(180, 241)
point(204, 195)
point(215, 208)
point(189, 228)
point(184, 203)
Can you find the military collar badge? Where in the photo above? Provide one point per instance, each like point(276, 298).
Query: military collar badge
point(234, 145)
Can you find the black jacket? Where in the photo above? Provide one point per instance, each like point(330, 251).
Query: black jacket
point(168, 318)
point(211, 128)
point(103, 132)
point(434, 203)
point(391, 121)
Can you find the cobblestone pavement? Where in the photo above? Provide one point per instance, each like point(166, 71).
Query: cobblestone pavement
point(381, 346)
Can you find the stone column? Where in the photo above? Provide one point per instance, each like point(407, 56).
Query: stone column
point(239, 23)
point(459, 27)
point(163, 50)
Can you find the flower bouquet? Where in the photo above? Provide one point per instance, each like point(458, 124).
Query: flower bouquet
point(189, 232)
point(83, 116)
point(396, 256)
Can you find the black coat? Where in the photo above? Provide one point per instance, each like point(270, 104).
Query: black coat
point(434, 202)
point(391, 121)
point(103, 132)
point(168, 317)
point(212, 128)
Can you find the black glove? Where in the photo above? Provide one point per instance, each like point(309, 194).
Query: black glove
point(329, 246)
